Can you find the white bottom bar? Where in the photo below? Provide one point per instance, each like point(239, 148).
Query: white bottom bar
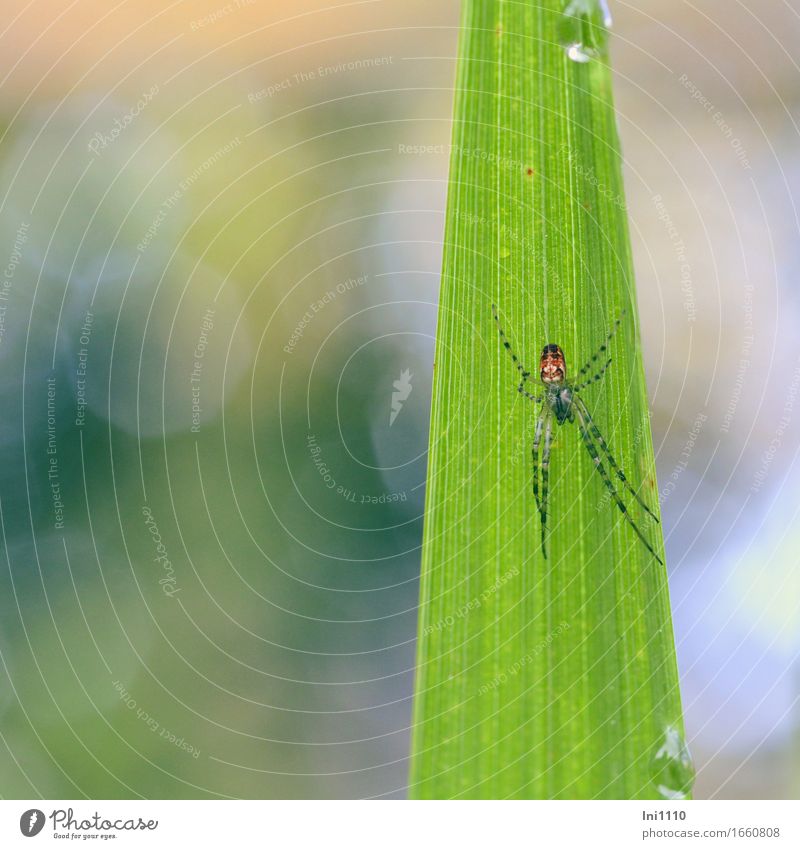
point(404, 825)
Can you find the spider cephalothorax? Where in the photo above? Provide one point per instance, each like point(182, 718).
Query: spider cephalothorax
point(562, 401)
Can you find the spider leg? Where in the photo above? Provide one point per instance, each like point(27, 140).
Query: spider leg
point(594, 378)
point(525, 374)
point(521, 391)
point(537, 437)
point(601, 350)
point(598, 438)
point(590, 447)
point(548, 433)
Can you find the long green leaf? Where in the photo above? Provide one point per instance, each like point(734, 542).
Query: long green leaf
point(539, 677)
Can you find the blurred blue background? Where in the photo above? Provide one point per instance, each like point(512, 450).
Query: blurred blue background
point(221, 231)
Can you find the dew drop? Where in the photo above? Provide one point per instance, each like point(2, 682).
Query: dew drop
point(578, 53)
point(672, 768)
point(582, 29)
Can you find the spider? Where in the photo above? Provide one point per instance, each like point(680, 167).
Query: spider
point(561, 400)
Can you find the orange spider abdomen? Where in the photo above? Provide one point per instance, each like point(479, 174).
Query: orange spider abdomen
point(552, 365)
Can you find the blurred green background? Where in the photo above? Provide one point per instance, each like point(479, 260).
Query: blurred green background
point(221, 231)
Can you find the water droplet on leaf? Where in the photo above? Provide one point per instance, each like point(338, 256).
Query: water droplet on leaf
point(582, 29)
point(672, 768)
